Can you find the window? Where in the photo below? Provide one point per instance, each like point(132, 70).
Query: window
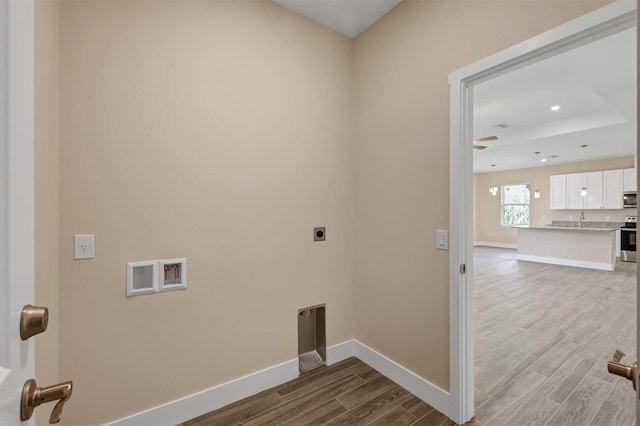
point(515, 204)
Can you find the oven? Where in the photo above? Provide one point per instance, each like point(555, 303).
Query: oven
point(628, 239)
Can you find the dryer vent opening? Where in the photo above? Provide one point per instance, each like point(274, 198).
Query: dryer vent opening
point(312, 338)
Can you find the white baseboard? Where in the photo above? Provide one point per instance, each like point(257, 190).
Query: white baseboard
point(194, 405)
point(567, 262)
point(428, 392)
point(191, 406)
point(496, 245)
point(340, 352)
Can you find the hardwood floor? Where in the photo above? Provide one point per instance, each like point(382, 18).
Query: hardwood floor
point(543, 336)
point(347, 393)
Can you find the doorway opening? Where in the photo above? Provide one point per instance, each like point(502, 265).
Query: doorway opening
point(466, 86)
point(551, 320)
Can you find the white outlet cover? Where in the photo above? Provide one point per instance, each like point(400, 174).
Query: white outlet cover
point(83, 246)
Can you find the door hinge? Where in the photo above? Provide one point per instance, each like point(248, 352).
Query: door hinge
point(463, 268)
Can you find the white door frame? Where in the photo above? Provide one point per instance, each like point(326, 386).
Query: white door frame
point(593, 26)
point(16, 199)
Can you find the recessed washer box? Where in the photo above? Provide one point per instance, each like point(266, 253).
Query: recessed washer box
point(172, 274)
point(153, 276)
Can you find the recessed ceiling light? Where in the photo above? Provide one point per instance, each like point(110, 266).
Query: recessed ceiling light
point(544, 160)
point(555, 108)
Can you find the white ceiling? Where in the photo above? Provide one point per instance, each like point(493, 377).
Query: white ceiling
point(349, 17)
point(595, 86)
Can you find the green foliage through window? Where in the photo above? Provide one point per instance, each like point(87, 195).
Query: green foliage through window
point(515, 204)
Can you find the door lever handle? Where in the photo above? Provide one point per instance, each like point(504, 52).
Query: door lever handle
point(629, 372)
point(33, 396)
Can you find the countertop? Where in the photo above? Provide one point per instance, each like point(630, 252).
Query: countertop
point(568, 228)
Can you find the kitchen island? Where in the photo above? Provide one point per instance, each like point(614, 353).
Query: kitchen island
point(582, 247)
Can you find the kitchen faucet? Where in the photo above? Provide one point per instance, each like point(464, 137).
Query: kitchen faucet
point(581, 218)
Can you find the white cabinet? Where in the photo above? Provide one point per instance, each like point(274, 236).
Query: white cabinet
point(575, 182)
point(630, 180)
point(613, 188)
point(558, 192)
point(604, 190)
point(594, 184)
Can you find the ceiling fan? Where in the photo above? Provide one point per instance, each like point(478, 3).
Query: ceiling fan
point(478, 141)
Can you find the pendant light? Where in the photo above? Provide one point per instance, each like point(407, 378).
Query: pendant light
point(536, 193)
point(493, 188)
point(583, 190)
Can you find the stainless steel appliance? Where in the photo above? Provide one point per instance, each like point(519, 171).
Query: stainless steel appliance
point(628, 239)
point(630, 199)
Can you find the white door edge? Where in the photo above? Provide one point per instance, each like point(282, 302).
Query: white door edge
point(595, 25)
point(16, 199)
point(637, 419)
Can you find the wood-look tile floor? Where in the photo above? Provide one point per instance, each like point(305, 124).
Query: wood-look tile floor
point(346, 393)
point(543, 336)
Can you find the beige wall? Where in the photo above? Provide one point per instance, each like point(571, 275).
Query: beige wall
point(47, 192)
point(401, 69)
point(224, 131)
point(487, 207)
point(221, 131)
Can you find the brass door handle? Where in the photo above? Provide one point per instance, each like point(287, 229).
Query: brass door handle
point(629, 372)
point(33, 396)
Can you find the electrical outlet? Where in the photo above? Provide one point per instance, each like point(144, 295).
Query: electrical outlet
point(83, 246)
